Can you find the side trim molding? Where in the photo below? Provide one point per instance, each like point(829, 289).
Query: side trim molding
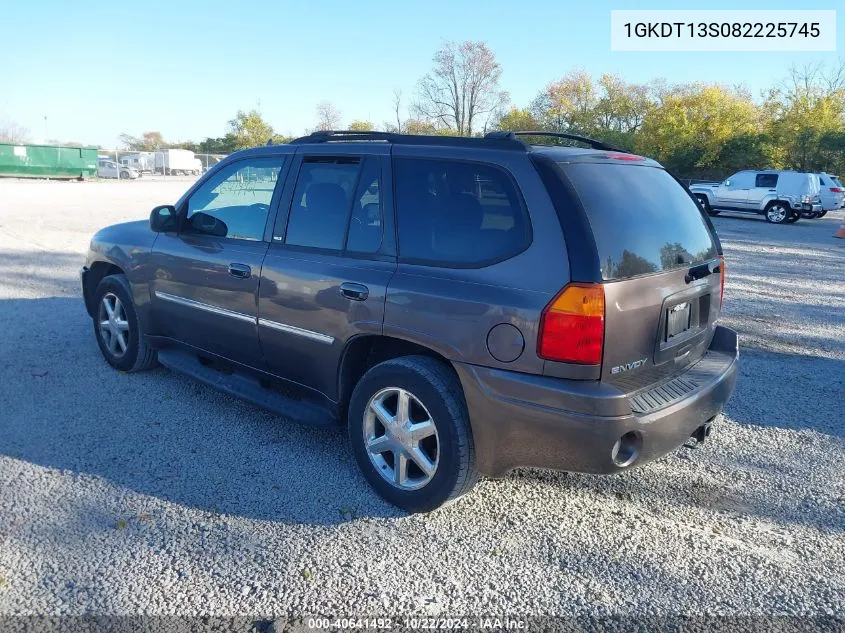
point(290, 329)
point(190, 303)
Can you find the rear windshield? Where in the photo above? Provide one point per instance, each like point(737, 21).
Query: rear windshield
point(642, 219)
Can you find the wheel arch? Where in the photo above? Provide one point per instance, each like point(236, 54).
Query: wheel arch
point(96, 272)
point(367, 350)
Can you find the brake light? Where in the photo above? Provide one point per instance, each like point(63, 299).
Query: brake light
point(836, 189)
point(722, 275)
point(572, 325)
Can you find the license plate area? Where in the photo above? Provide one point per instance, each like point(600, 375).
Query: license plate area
point(677, 320)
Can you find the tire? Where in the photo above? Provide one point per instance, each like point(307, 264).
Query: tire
point(792, 219)
point(137, 355)
point(823, 213)
point(702, 201)
point(124, 175)
point(810, 215)
point(436, 395)
point(777, 212)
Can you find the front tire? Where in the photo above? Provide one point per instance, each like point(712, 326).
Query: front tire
point(117, 328)
point(410, 433)
point(705, 204)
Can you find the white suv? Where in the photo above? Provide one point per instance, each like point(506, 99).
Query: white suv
point(782, 196)
point(832, 193)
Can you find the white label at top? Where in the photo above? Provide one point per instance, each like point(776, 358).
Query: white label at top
point(722, 30)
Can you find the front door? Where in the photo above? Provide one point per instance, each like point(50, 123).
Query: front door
point(205, 287)
point(326, 272)
point(733, 193)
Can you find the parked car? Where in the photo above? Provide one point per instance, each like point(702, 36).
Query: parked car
point(781, 196)
point(464, 306)
point(110, 169)
point(832, 193)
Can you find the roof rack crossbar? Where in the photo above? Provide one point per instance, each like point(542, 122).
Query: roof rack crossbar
point(594, 143)
point(510, 143)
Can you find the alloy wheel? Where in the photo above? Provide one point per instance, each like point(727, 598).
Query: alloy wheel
point(114, 326)
point(401, 438)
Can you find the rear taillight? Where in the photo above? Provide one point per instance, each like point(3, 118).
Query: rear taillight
point(722, 275)
point(572, 325)
point(836, 189)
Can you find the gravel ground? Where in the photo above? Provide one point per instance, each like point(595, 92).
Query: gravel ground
point(150, 494)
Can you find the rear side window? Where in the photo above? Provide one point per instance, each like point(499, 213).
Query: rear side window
point(766, 180)
point(823, 181)
point(457, 213)
point(337, 205)
point(642, 219)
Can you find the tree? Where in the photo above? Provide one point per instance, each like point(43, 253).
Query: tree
point(249, 129)
point(568, 105)
point(361, 126)
point(462, 87)
point(690, 129)
point(147, 142)
point(416, 126)
point(806, 115)
point(328, 117)
point(517, 120)
point(11, 132)
point(397, 106)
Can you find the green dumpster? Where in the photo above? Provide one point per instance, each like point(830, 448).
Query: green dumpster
point(47, 161)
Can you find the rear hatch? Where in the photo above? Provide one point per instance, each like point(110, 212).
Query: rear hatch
point(659, 261)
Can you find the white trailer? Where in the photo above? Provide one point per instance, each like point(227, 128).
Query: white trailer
point(144, 162)
point(176, 162)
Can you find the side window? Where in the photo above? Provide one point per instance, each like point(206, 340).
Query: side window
point(769, 181)
point(236, 200)
point(337, 205)
point(365, 223)
point(455, 213)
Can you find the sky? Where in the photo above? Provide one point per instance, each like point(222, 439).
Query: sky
point(185, 67)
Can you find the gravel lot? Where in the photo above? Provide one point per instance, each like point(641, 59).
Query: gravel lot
point(150, 494)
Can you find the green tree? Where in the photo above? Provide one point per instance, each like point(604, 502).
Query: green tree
point(249, 129)
point(418, 126)
point(517, 120)
point(690, 128)
point(361, 126)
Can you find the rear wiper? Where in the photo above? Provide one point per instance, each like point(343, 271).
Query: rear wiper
point(700, 272)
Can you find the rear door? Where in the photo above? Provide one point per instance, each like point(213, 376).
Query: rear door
point(660, 268)
point(326, 272)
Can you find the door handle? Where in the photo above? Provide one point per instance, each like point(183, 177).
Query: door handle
point(356, 292)
point(241, 271)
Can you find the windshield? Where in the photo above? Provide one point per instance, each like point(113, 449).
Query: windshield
point(642, 219)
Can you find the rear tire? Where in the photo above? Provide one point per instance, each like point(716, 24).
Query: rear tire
point(777, 212)
point(823, 213)
point(445, 468)
point(114, 295)
point(792, 219)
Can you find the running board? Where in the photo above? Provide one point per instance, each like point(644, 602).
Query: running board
point(246, 387)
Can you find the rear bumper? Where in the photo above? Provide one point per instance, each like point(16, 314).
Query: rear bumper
point(538, 421)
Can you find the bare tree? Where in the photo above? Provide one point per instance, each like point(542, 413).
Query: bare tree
point(11, 132)
point(328, 117)
point(462, 87)
point(397, 106)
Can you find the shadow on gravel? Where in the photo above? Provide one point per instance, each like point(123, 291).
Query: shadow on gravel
point(162, 435)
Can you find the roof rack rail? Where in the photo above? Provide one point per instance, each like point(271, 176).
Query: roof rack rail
point(594, 143)
point(328, 136)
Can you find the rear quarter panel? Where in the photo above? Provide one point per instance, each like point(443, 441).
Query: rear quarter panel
point(452, 311)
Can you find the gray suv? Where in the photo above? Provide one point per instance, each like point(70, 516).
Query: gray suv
point(465, 306)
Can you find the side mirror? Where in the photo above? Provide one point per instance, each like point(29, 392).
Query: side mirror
point(164, 218)
point(208, 224)
point(727, 183)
